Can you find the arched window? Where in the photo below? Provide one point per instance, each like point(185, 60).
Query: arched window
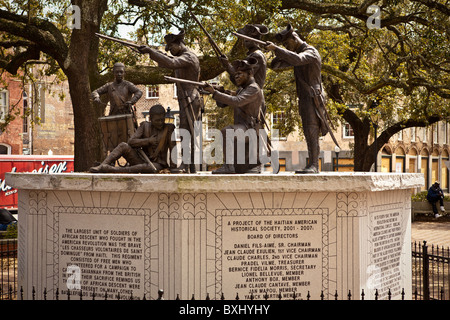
point(424, 167)
point(400, 159)
point(5, 149)
point(444, 171)
point(435, 165)
point(412, 156)
point(386, 160)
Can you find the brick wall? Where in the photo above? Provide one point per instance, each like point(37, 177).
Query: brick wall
point(12, 136)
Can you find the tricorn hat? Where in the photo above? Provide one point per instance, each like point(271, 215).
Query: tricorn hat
point(244, 65)
point(170, 38)
point(254, 30)
point(284, 34)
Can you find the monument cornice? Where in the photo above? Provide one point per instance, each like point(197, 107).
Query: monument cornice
point(204, 183)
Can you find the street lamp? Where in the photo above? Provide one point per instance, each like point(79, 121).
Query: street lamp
point(337, 150)
point(375, 118)
point(169, 118)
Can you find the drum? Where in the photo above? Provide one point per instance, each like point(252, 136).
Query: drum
point(116, 129)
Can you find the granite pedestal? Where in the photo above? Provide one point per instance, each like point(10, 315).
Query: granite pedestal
point(203, 234)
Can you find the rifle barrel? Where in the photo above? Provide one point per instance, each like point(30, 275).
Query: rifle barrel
point(240, 35)
point(172, 79)
point(130, 44)
point(211, 41)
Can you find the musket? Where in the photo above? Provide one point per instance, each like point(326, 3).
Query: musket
point(211, 40)
point(243, 36)
point(324, 118)
point(146, 159)
point(129, 44)
point(195, 83)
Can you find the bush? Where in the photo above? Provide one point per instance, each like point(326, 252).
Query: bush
point(422, 197)
point(11, 231)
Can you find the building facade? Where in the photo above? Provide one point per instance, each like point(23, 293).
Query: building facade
point(43, 117)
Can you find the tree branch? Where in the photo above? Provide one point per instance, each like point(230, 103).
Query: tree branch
point(32, 53)
point(384, 137)
point(434, 5)
point(355, 11)
point(41, 32)
point(442, 91)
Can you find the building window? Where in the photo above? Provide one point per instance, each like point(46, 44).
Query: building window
point(413, 134)
point(348, 131)
point(5, 149)
point(443, 133)
point(278, 121)
point(175, 93)
point(152, 92)
point(4, 105)
point(210, 123)
point(400, 135)
point(25, 112)
point(435, 133)
point(425, 134)
point(176, 122)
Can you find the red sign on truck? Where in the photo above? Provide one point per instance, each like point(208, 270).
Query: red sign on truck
point(20, 163)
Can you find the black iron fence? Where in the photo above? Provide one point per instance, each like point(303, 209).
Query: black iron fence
point(430, 278)
point(79, 295)
point(430, 272)
point(8, 269)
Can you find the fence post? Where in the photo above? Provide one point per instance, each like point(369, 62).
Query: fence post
point(425, 272)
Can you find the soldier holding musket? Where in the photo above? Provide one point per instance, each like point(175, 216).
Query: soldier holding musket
point(254, 51)
point(307, 71)
point(246, 102)
point(186, 66)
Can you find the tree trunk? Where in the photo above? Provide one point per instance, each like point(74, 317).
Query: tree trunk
point(80, 66)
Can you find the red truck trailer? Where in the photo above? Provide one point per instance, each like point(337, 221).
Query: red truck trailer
point(22, 163)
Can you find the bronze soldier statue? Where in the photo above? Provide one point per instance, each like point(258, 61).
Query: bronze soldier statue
point(255, 31)
point(254, 51)
point(147, 149)
point(186, 66)
point(122, 94)
point(307, 71)
point(247, 102)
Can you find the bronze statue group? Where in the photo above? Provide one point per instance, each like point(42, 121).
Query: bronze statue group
point(154, 137)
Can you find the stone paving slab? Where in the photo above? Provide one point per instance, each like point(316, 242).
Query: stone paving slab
point(433, 232)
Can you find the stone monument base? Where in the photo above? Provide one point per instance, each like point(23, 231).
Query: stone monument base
point(202, 234)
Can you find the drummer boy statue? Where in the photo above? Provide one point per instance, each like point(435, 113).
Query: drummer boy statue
point(122, 94)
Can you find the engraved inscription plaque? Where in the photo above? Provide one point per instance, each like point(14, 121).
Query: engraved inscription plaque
point(103, 254)
point(265, 256)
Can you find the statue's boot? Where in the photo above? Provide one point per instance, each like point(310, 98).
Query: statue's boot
point(308, 169)
point(225, 169)
point(254, 170)
point(138, 168)
point(183, 168)
point(112, 157)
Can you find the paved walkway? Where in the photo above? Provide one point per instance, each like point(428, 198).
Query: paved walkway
point(434, 233)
